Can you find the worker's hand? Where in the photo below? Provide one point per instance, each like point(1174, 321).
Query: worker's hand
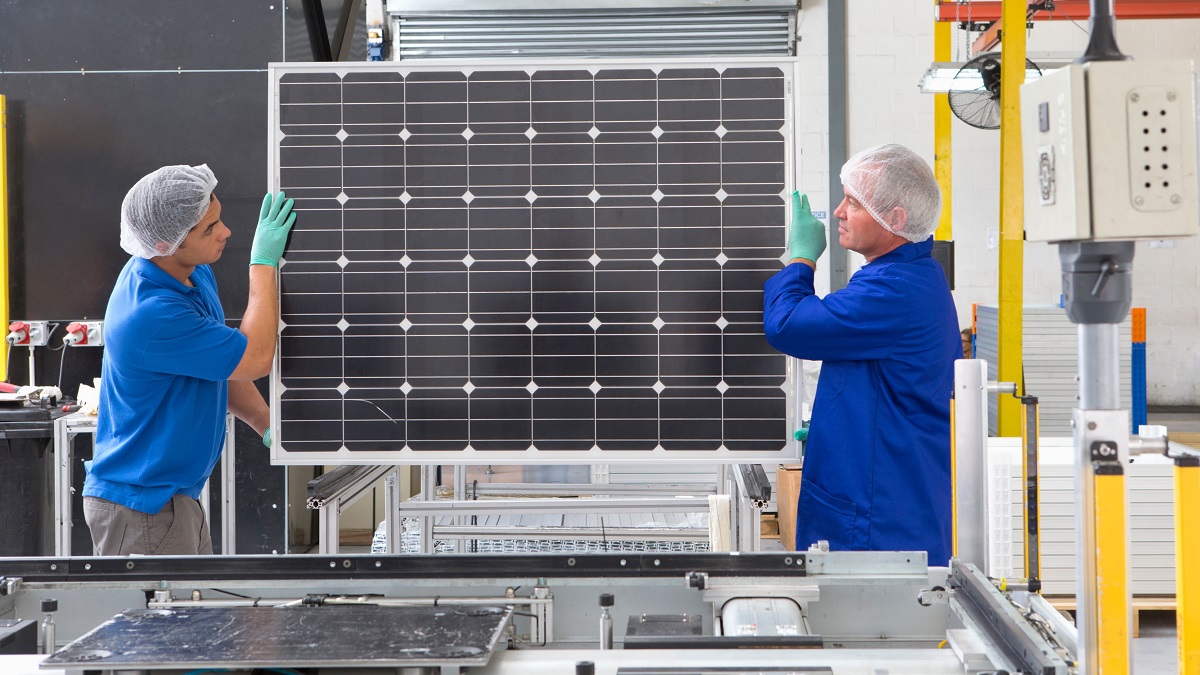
point(267, 437)
point(274, 222)
point(807, 239)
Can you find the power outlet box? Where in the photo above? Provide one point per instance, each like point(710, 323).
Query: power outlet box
point(84, 334)
point(1110, 152)
point(35, 334)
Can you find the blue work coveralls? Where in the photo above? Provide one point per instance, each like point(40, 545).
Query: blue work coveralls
point(877, 463)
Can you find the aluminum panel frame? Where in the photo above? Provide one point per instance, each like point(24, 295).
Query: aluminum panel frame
point(790, 386)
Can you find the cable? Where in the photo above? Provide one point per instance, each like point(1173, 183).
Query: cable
point(49, 333)
point(236, 595)
point(61, 360)
point(372, 404)
point(1073, 21)
point(536, 622)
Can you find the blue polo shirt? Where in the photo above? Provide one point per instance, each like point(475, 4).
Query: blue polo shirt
point(164, 389)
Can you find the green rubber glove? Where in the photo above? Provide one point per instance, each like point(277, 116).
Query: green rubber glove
point(807, 239)
point(274, 222)
point(267, 437)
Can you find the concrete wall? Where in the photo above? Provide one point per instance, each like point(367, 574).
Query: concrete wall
point(890, 45)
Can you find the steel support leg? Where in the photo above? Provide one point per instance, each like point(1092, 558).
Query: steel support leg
point(428, 494)
point(329, 524)
point(229, 490)
point(63, 454)
point(391, 513)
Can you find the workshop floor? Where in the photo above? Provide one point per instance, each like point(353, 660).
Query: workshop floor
point(1154, 650)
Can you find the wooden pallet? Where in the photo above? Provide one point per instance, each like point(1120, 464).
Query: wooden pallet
point(1190, 438)
point(1141, 603)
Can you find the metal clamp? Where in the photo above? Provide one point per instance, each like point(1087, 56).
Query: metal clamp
point(10, 585)
point(1140, 445)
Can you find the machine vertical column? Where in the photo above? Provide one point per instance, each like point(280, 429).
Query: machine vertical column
point(1097, 287)
point(969, 462)
point(4, 224)
point(1100, 380)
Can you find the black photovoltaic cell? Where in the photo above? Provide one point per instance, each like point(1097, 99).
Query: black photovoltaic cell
point(563, 259)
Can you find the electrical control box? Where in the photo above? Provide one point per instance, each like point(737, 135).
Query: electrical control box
point(1109, 152)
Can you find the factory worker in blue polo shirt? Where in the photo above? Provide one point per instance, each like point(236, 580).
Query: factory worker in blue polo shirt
point(172, 367)
point(876, 470)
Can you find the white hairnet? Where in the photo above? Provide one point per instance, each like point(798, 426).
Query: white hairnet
point(887, 177)
point(162, 207)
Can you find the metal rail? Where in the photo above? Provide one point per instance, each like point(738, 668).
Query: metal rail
point(1002, 622)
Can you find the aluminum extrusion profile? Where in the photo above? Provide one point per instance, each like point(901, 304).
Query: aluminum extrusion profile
point(1004, 624)
point(137, 571)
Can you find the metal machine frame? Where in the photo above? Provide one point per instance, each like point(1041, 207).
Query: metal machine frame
point(863, 608)
point(66, 428)
point(746, 485)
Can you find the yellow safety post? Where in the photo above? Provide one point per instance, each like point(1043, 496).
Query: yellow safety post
point(1187, 562)
point(1111, 581)
point(942, 145)
point(1012, 215)
point(3, 226)
point(953, 482)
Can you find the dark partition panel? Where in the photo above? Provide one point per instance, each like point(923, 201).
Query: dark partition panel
point(99, 94)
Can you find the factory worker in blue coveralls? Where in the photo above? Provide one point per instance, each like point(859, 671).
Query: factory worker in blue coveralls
point(876, 473)
point(172, 367)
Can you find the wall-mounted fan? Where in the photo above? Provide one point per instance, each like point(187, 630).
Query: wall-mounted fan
point(975, 91)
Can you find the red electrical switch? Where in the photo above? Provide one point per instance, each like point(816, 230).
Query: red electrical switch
point(18, 334)
point(76, 334)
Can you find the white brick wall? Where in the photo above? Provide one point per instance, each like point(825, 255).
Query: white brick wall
point(890, 45)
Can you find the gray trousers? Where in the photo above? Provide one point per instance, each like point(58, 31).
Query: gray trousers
point(180, 528)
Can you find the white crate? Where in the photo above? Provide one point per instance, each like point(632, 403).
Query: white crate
point(1151, 517)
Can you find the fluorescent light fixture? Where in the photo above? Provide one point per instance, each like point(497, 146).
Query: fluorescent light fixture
point(940, 78)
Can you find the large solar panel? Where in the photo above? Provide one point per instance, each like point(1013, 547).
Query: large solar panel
point(530, 262)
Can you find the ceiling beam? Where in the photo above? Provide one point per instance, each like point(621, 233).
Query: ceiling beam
point(989, 11)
